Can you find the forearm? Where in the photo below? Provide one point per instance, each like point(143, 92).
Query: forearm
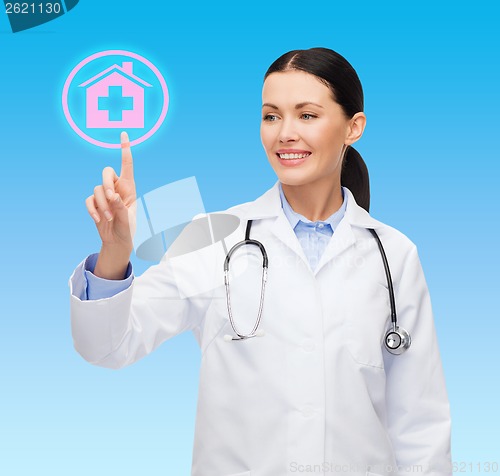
point(112, 262)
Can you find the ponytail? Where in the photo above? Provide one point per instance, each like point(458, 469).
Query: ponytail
point(355, 177)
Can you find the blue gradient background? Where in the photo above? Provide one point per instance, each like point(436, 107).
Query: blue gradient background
point(430, 71)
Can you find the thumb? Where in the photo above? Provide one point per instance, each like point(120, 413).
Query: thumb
point(125, 218)
point(119, 209)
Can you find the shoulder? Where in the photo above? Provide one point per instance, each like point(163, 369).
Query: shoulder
point(395, 236)
point(394, 241)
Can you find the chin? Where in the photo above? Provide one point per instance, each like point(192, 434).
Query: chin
point(293, 177)
point(294, 180)
point(288, 177)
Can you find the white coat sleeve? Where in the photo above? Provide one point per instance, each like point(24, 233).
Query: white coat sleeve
point(117, 331)
point(417, 401)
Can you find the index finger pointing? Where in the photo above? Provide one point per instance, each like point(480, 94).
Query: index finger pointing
point(127, 170)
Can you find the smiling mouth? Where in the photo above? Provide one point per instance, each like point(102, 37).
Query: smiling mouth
point(293, 156)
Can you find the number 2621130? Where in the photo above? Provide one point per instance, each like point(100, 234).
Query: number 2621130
point(32, 8)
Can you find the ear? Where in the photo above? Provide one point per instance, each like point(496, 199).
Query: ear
point(355, 128)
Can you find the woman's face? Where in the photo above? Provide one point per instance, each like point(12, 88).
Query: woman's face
point(303, 130)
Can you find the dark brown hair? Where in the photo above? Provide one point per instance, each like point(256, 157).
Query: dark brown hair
point(341, 78)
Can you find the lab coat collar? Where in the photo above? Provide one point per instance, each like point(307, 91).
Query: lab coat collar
point(269, 206)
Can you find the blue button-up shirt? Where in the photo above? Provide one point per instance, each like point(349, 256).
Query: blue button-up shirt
point(313, 237)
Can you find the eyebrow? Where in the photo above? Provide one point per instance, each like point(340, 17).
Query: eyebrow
point(300, 105)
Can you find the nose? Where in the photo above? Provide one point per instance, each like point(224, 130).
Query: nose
point(288, 132)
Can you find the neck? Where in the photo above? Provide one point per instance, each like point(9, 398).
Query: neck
point(316, 201)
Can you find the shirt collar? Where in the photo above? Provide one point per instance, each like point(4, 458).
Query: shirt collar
point(294, 217)
point(269, 205)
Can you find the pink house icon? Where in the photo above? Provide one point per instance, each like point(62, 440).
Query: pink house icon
point(115, 98)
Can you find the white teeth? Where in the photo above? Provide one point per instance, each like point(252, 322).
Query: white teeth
point(293, 156)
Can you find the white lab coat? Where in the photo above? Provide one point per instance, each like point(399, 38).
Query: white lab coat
point(317, 394)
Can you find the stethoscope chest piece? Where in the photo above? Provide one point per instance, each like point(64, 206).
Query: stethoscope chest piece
point(397, 340)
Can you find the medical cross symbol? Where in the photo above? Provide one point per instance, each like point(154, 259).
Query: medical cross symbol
point(115, 103)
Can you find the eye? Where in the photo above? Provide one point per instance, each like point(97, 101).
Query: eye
point(270, 118)
point(307, 116)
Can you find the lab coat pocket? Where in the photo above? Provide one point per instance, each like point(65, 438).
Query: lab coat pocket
point(372, 474)
point(244, 473)
point(367, 316)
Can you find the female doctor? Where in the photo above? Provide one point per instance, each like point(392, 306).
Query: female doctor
point(327, 382)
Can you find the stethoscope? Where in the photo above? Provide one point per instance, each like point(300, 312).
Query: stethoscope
point(396, 339)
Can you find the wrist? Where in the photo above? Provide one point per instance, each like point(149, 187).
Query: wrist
point(112, 262)
point(120, 252)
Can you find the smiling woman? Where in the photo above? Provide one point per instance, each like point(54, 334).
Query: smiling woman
point(322, 380)
point(317, 104)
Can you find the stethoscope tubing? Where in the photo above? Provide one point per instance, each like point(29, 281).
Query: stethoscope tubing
point(265, 265)
point(396, 340)
point(392, 299)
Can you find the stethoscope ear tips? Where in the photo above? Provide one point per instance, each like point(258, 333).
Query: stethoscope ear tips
point(397, 341)
point(228, 338)
point(259, 332)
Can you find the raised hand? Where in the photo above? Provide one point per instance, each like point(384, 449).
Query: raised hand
point(112, 206)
